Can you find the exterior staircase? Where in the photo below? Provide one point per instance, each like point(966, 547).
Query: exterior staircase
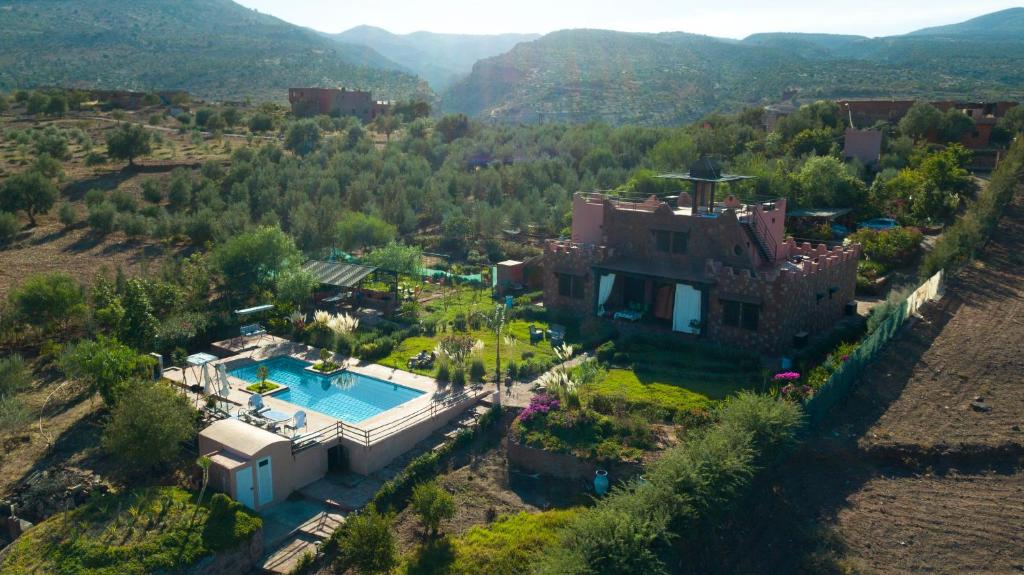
point(763, 247)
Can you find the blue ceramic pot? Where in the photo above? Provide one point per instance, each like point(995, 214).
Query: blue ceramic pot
point(601, 482)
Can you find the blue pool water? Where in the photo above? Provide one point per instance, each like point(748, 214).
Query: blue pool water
point(350, 397)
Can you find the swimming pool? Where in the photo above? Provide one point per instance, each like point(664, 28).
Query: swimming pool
point(348, 396)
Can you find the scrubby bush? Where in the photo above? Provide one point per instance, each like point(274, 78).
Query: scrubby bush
point(67, 215)
point(102, 218)
point(432, 504)
point(151, 191)
point(14, 375)
point(366, 543)
point(9, 227)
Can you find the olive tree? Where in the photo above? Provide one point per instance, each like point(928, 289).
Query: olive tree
point(147, 428)
point(128, 141)
point(30, 192)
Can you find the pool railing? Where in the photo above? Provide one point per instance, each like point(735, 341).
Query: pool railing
point(365, 437)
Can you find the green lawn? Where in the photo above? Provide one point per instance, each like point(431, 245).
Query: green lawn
point(146, 530)
point(518, 329)
point(677, 380)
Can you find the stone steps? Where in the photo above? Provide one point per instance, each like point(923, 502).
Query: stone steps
point(284, 559)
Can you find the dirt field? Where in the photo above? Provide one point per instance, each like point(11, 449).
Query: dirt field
point(909, 477)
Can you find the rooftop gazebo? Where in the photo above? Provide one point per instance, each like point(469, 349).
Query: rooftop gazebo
point(705, 174)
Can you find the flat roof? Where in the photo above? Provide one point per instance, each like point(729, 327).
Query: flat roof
point(338, 274)
point(242, 438)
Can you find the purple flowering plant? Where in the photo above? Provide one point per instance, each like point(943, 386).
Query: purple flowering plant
point(539, 405)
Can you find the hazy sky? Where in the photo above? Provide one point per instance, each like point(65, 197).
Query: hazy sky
point(725, 18)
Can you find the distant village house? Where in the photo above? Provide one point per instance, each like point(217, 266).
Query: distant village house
point(307, 102)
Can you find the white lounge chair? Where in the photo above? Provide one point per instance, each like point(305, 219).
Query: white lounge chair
point(298, 421)
point(256, 406)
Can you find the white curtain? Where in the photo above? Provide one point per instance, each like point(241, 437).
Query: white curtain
point(604, 291)
point(686, 309)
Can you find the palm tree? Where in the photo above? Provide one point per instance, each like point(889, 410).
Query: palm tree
point(497, 321)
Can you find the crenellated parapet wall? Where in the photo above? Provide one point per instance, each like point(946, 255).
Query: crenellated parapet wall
point(574, 259)
point(795, 296)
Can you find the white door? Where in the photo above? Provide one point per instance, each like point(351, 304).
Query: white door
point(243, 486)
point(264, 481)
point(686, 309)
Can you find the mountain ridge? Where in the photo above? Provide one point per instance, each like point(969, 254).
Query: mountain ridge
point(583, 75)
point(214, 48)
point(440, 59)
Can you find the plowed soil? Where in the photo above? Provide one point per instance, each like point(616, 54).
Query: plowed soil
point(909, 477)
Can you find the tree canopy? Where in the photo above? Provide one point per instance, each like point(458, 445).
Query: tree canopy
point(48, 300)
point(30, 192)
point(109, 367)
point(252, 260)
point(128, 141)
point(148, 426)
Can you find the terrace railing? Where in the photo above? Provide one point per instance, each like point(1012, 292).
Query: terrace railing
point(367, 436)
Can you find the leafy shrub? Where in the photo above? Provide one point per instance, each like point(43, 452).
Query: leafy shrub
point(101, 218)
point(365, 542)
point(892, 248)
point(606, 351)
point(9, 227)
point(14, 375)
point(151, 191)
point(477, 371)
point(124, 201)
point(67, 215)
point(228, 523)
point(95, 197)
point(432, 505)
point(135, 226)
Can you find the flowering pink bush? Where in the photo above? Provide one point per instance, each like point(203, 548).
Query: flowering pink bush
point(539, 404)
point(787, 376)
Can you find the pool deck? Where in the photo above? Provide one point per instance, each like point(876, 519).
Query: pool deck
point(271, 347)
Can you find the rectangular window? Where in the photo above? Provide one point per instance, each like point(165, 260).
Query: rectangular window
point(731, 311)
point(739, 314)
point(679, 240)
point(570, 286)
point(750, 316)
point(662, 241)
